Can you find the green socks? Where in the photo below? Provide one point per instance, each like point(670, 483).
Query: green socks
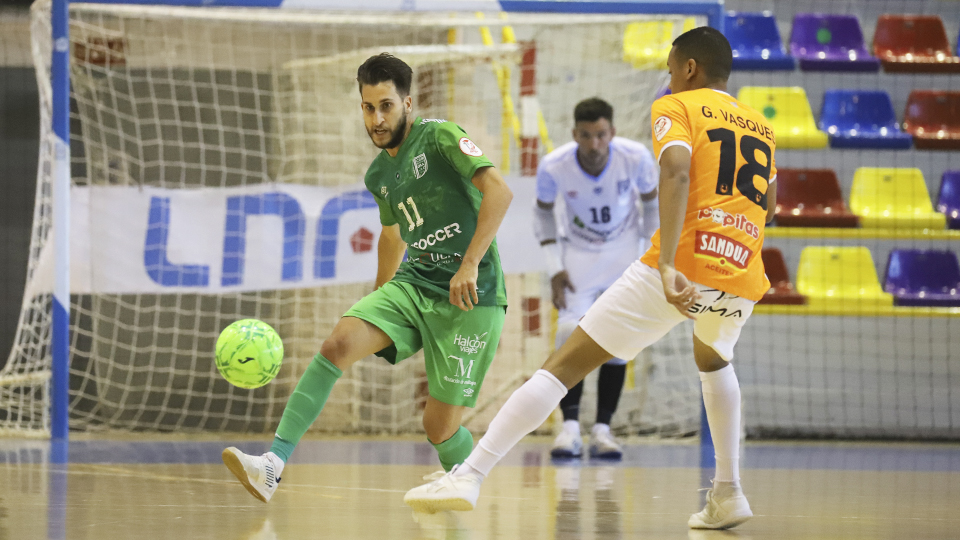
point(305, 404)
point(454, 450)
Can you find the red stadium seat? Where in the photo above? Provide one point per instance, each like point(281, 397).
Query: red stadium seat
point(933, 118)
point(914, 43)
point(811, 198)
point(781, 290)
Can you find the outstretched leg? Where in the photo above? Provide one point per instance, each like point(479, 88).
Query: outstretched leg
point(526, 409)
point(351, 340)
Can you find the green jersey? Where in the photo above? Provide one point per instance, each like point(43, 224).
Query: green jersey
point(427, 190)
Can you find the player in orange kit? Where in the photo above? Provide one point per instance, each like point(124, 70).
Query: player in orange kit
point(716, 174)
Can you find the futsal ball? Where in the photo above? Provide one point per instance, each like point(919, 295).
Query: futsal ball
point(249, 353)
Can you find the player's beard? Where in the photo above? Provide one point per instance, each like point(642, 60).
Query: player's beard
point(396, 135)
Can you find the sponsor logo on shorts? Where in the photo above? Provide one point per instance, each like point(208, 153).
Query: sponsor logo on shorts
point(469, 148)
point(420, 166)
point(737, 221)
point(467, 392)
point(470, 345)
point(463, 370)
point(699, 309)
point(727, 252)
point(440, 235)
point(661, 127)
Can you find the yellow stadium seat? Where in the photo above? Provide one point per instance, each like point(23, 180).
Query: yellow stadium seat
point(893, 198)
point(840, 279)
point(789, 114)
point(647, 44)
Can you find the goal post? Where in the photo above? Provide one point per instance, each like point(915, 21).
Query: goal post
point(182, 106)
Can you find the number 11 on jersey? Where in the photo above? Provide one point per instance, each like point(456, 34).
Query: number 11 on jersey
point(411, 224)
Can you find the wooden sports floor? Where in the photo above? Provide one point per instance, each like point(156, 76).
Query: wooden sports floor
point(140, 489)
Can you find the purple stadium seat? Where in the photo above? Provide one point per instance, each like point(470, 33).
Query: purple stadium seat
point(830, 43)
point(948, 201)
point(923, 278)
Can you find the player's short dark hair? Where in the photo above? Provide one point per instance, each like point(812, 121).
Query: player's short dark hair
point(591, 110)
point(709, 48)
point(385, 67)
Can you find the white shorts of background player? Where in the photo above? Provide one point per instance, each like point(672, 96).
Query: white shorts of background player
point(591, 273)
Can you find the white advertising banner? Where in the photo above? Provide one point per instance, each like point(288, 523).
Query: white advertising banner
point(263, 237)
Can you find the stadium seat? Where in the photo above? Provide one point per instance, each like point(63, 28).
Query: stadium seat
point(914, 43)
point(830, 43)
point(789, 114)
point(647, 44)
point(756, 42)
point(811, 198)
point(933, 118)
point(861, 119)
point(781, 290)
point(923, 278)
point(948, 200)
point(893, 198)
point(840, 278)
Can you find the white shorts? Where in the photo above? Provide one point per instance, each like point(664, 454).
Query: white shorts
point(634, 313)
point(591, 273)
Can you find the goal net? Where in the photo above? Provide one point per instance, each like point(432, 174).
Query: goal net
point(217, 164)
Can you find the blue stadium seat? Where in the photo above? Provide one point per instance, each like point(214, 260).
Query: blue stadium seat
point(948, 201)
point(923, 278)
point(861, 119)
point(756, 42)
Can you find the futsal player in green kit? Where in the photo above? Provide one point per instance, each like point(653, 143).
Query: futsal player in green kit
point(441, 202)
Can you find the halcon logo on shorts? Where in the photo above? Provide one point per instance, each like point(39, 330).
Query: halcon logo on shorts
point(723, 249)
point(470, 345)
point(420, 166)
point(440, 235)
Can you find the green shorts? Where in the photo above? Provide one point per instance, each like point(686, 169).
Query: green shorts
point(458, 346)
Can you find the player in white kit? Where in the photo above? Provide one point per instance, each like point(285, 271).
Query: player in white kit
point(589, 239)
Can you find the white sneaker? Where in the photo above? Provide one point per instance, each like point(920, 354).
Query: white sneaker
point(726, 507)
point(603, 445)
point(450, 492)
point(435, 475)
point(256, 473)
point(569, 443)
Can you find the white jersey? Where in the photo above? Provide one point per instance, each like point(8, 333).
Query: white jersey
point(597, 209)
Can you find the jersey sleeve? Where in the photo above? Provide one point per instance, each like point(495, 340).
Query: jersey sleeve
point(386, 215)
point(459, 151)
point(670, 125)
point(546, 185)
point(648, 174)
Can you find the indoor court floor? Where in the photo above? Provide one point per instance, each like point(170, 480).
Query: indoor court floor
point(157, 488)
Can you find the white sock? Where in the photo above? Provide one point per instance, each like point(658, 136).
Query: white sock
point(277, 463)
point(721, 399)
point(572, 426)
point(526, 409)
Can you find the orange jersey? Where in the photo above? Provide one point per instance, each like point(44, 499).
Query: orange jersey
point(731, 168)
